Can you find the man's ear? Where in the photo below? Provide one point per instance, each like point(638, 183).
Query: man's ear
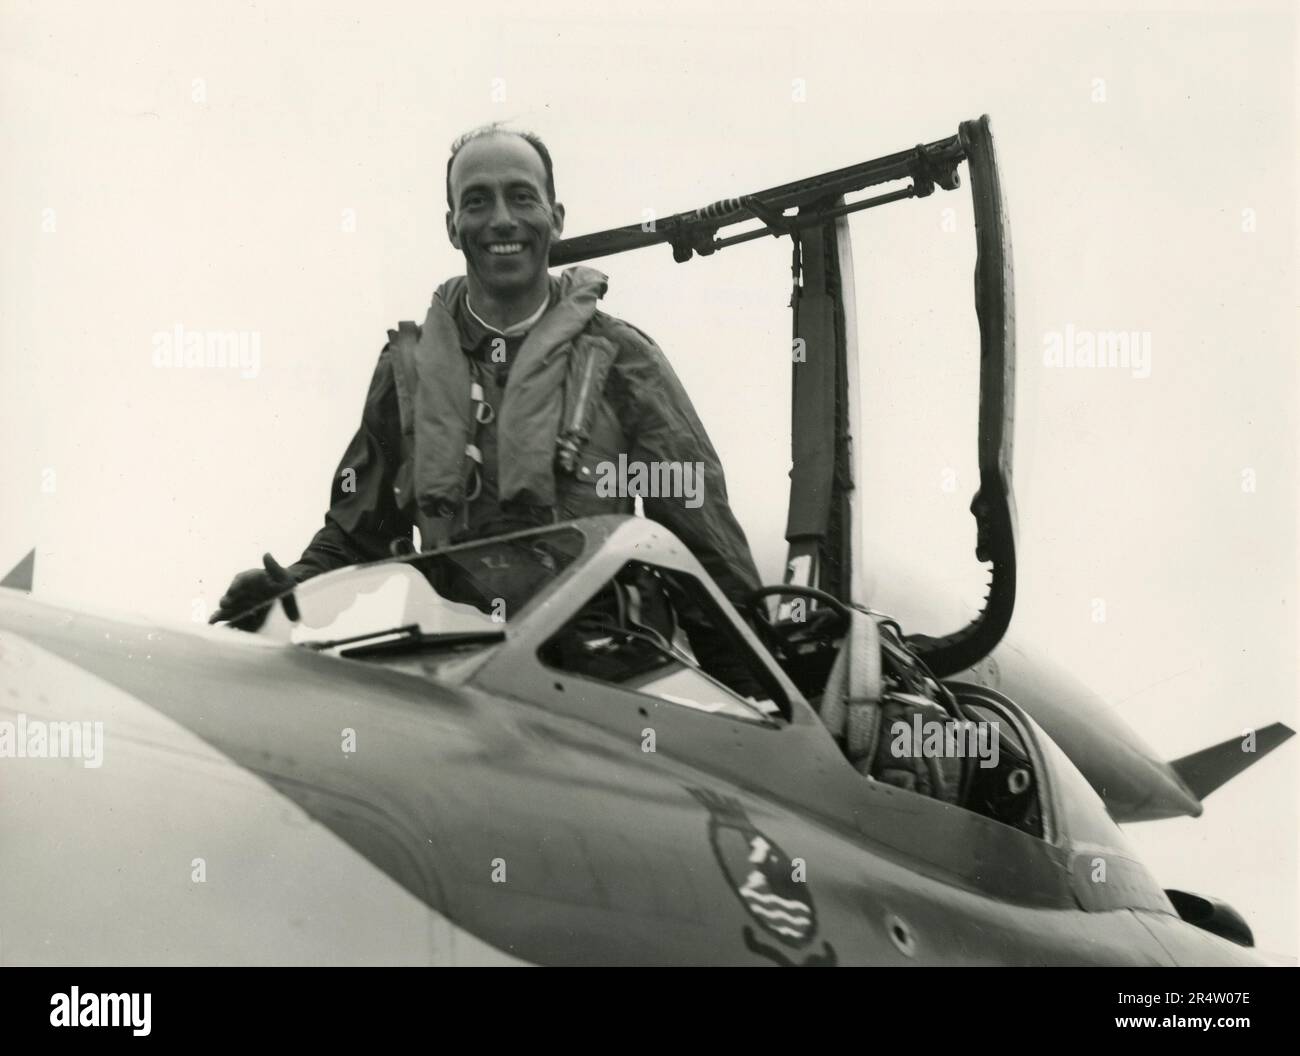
point(557, 219)
point(451, 230)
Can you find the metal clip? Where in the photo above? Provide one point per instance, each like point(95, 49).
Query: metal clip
point(483, 412)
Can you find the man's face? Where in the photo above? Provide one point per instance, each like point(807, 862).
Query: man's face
point(501, 218)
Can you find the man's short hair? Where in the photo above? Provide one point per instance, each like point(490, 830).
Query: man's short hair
point(498, 129)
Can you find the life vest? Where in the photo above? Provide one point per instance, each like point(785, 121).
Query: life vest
point(544, 419)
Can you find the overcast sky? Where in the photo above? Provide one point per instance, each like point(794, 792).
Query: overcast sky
point(275, 169)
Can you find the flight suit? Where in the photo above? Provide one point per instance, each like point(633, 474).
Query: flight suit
point(643, 412)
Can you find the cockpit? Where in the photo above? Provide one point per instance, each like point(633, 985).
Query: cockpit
point(617, 610)
point(611, 621)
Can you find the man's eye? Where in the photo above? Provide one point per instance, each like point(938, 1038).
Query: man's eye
point(525, 197)
point(472, 203)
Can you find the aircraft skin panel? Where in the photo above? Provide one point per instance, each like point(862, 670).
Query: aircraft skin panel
point(1192, 946)
point(1131, 778)
point(387, 854)
point(164, 852)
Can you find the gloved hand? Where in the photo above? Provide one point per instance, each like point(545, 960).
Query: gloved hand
point(249, 588)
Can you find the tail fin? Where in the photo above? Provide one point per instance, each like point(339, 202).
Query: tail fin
point(1204, 771)
point(21, 575)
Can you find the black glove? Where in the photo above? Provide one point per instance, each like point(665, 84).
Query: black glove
point(248, 589)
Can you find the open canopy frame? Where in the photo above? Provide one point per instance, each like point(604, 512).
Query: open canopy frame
point(824, 521)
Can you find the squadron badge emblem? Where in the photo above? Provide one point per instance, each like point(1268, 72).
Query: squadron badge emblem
point(764, 879)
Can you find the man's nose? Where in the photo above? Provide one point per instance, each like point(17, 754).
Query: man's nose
point(502, 219)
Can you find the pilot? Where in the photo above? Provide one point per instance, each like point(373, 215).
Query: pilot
point(511, 406)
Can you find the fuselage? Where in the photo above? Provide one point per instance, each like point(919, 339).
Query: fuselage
point(260, 803)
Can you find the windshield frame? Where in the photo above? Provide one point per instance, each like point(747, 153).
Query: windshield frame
point(278, 626)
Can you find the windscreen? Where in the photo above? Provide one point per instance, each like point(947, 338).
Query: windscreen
point(459, 590)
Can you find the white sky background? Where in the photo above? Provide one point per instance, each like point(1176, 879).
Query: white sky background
point(146, 489)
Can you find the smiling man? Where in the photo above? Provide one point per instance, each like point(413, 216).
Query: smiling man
point(509, 406)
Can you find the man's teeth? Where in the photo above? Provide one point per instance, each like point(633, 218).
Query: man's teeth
point(501, 248)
